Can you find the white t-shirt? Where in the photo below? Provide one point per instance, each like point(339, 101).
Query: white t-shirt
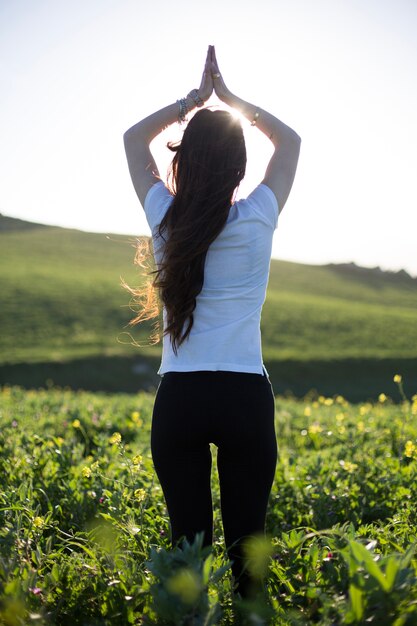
point(226, 333)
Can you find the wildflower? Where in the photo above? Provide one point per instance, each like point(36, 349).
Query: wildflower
point(409, 449)
point(340, 417)
point(115, 438)
point(136, 418)
point(341, 430)
point(102, 500)
point(397, 378)
point(315, 429)
point(140, 494)
point(137, 459)
point(328, 401)
point(38, 522)
point(86, 472)
point(340, 400)
point(35, 590)
point(76, 424)
point(360, 426)
point(307, 411)
point(95, 466)
point(382, 398)
point(59, 441)
point(348, 466)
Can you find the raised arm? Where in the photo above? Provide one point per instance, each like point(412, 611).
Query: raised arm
point(280, 172)
point(137, 139)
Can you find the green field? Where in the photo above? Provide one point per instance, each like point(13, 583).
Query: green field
point(84, 532)
point(63, 317)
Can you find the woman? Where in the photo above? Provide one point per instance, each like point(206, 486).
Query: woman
point(212, 256)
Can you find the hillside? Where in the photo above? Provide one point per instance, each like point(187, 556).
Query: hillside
point(61, 302)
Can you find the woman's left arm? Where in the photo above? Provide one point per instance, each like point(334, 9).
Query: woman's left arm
point(137, 139)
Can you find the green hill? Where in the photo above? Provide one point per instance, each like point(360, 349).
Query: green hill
point(63, 316)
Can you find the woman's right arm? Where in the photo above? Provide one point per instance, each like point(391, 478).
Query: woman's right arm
point(280, 172)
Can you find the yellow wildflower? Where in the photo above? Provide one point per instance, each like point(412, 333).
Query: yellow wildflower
point(307, 411)
point(38, 522)
point(360, 426)
point(76, 424)
point(140, 494)
point(409, 449)
point(136, 418)
point(315, 429)
point(328, 401)
point(382, 398)
point(348, 466)
point(340, 400)
point(341, 430)
point(86, 472)
point(397, 378)
point(115, 438)
point(137, 459)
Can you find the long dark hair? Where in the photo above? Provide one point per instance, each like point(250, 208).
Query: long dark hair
point(208, 165)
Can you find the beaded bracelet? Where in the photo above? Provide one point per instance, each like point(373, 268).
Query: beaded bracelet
point(183, 110)
point(194, 95)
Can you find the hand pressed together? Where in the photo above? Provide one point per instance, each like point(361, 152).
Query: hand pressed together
point(212, 79)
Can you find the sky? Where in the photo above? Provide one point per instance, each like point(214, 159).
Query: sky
point(342, 73)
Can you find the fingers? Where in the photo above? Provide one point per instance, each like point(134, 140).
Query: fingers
point(214, 58)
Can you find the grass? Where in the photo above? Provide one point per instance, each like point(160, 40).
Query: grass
point(62, 305)
point(84, 532)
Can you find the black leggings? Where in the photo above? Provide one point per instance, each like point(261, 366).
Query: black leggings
point(234, 411)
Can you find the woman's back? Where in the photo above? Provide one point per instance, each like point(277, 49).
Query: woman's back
point(226, 328)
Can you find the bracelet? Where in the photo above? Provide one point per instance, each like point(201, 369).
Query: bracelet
point(194, 95)
point(183, 110)
point(255, 118)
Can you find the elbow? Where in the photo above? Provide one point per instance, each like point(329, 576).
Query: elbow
point(290, 140)
point(127, 135)
point(296, 138)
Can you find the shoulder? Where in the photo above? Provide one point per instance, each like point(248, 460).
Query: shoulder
point(262, 204)
point(157, 201)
